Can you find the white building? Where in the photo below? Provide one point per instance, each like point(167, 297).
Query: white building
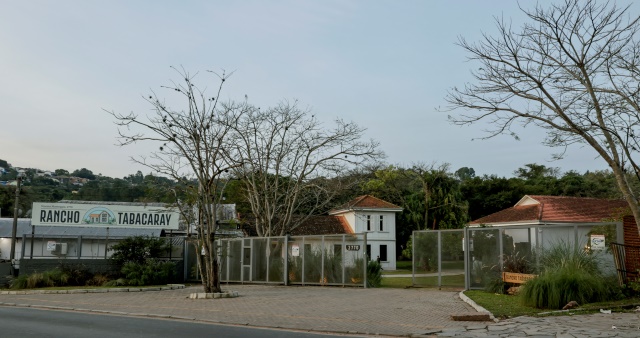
point(377, 218)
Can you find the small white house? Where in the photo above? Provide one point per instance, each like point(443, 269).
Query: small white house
point(377, 218)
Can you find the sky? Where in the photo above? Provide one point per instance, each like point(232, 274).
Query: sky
point(386, 65)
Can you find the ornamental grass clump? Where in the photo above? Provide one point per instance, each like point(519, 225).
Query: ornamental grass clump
point(566, 273)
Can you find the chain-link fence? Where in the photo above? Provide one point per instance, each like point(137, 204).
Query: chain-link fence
point(303, 260)
point(446, 258)
point(438, 258)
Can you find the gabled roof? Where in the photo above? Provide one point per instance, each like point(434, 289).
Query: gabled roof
point(323, 225)
point(539, 208)
point(365, 202)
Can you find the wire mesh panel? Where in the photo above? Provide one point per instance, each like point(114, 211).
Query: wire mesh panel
point(276, 254)
point(484, 256)
point(595, 241)
point(259, 260)
point(234, 261)
point(438, 258)
point(312, 254)
point(354, 260)
point(451, 258)
point(518, 250)
point(224, 260)
point(294, 260)
point(425, 257)
point(333, 266)
point(314, 260)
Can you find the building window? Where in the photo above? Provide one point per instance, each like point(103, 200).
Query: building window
point(381, 223)
point(369, 251)
point(337, 250)
point(368, 222)
point(383, 253)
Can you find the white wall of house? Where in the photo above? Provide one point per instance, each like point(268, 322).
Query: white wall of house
point(380, 227)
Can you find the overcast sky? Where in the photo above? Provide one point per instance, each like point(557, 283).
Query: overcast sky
point(386, 65)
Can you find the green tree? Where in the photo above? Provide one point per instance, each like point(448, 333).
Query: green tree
point(84, 173)
point(61, 172)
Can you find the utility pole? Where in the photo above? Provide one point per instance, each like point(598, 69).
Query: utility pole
point(15, 224)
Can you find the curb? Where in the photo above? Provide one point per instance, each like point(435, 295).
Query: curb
point(476, 306)
point(72, 291)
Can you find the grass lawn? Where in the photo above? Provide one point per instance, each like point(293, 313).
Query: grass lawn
point(406, 267)
point(501, 306)
point(505, 306)
point(456, 281)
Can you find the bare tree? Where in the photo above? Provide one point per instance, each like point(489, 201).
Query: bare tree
point(193, 150)
point(291, 163)
point(572, 70)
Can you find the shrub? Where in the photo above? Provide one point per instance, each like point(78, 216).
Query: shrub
point(151, 272)
point(555, 289)
point(98, 280)
point(567, 273)
point(374, 274)
point(516, 262)
point(138, 258)
point(138, 249)
point(116, 282)
point(74, 274)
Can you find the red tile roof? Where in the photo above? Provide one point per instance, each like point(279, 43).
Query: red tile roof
point(323, 225)
point(538, 208)
point(365, 202)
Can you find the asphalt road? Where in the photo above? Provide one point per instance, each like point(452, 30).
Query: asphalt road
point(30, 322)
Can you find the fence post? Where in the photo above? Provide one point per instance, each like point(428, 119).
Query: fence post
point(170, 243)
point(343, 251)
point(33, 230)
point(23, 246)
point(439, 259)
point(413, 258)
point(366, 261)
point(106, 244)
point(286, 260)
point(501, 246)
point(79, 246)
point(466, 235)
point(322, 248)
point(304, 254)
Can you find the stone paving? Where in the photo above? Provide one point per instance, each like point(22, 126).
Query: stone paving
point(391, 312)
point(592, 325)
point(386, 312)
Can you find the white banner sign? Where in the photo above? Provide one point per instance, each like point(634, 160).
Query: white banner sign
point(597, 242)
point(96, 215)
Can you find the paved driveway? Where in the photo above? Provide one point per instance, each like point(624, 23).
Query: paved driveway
point(332, 309)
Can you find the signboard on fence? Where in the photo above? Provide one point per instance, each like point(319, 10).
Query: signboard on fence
point(597, 242)
point(96, 215)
